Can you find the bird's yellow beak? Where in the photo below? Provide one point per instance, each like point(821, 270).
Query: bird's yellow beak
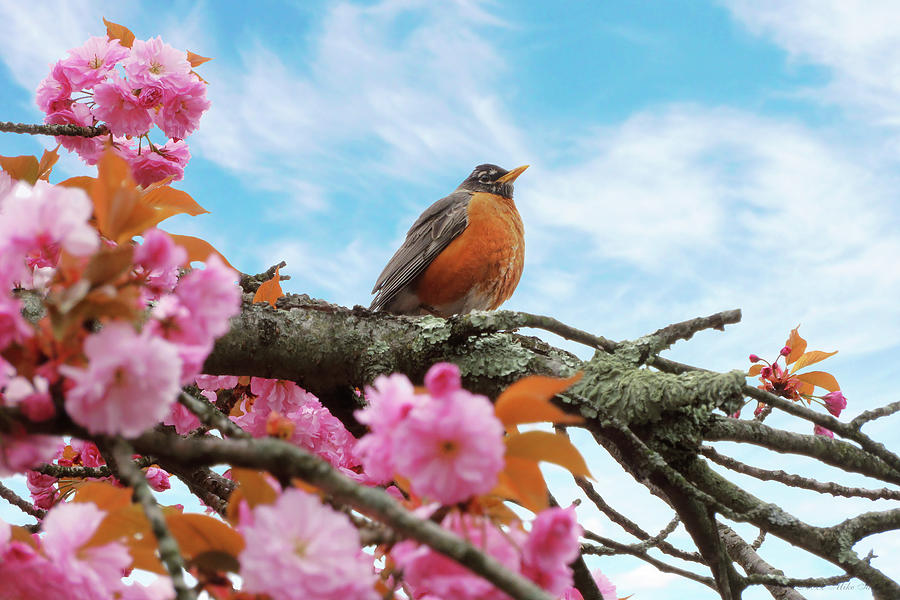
point(511, 176)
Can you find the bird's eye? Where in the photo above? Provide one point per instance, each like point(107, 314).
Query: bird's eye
point(484, 178)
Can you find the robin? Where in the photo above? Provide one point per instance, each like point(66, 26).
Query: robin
point(464, 253)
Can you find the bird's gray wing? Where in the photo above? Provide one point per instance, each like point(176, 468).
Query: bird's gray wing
point(432, 232)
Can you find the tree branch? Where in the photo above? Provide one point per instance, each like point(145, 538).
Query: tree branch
point(22, 504)
point(119, 459)
point(54, 129)
point(286, 461)
point(799, 481)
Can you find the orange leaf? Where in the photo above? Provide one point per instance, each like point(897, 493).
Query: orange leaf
point(82, 182)
point(820, 379)
point(809, 358)
point(195, 59)
point(528, 401)
point(104, 494)
point(252, 487)
point(754, 370)
point(172, 201)
point(797, 345)
point(521, 481)
point(21, 534)
point(197, 534)
point(23, 168)
point(269, 291)
point(118, 208)
point(114, 31)
point(48, 159)
point(197, 249)
point(550, 447)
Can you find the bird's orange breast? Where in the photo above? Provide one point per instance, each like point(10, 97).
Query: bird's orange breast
point(479, 270)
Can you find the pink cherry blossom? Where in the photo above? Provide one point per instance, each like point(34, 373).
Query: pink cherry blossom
point(25, 573)
point(158, 252)
point(182, 108)
point(197, 313)
point(153, 62)
point(151, 166)
point(442, 379)
point(184, 420)
point(298, 549)
point(450, 448)
point(129, 384)
point(606, 587)
point(211, 295)
point(20, 451)
point(13, 326)
point(88, 148)
point(150, 96)
point(119, 108)
point(551, 546)
point(43, 489)
point(37, 221)
point(835, 402)
point(33, 397)
point(54, 93)
point(311, 425)
point(819, 430)
point(157, 478)
point(90, 572)
point(553, 539)
point(216, 382)
point(389, 402)
point(89, 64)
point(6, 186)
point(430, 573)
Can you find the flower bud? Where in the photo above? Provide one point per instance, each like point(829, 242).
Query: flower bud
point(754, 358)
point(785, 351)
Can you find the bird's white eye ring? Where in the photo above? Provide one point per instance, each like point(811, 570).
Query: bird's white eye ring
point(484, 178)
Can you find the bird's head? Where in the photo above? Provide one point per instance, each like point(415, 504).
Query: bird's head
point(492, 179)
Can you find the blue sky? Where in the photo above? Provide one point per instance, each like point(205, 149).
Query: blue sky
point(687, 157)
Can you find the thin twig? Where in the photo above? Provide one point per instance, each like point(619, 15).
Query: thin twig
point(211, 416)
point(611, 546)
point(251, 283)
point(20, 503)
point(54, 129)
point(875, 413)
point(685, 330)
point(101, 472)
point(629, 525)
point(119, 460)
point(823, 487)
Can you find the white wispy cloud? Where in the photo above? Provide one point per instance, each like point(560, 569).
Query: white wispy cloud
point(858, 41)
point(694, 209)
point(403, 100)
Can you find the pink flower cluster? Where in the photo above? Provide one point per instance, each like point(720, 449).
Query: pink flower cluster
point(543, 555)
point(448, 443)
point(154, 85)
point(61, 564)
point(132, 377)
point(298, 549)
point(281, 409)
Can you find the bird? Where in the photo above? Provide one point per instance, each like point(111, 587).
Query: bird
point(464, 253)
